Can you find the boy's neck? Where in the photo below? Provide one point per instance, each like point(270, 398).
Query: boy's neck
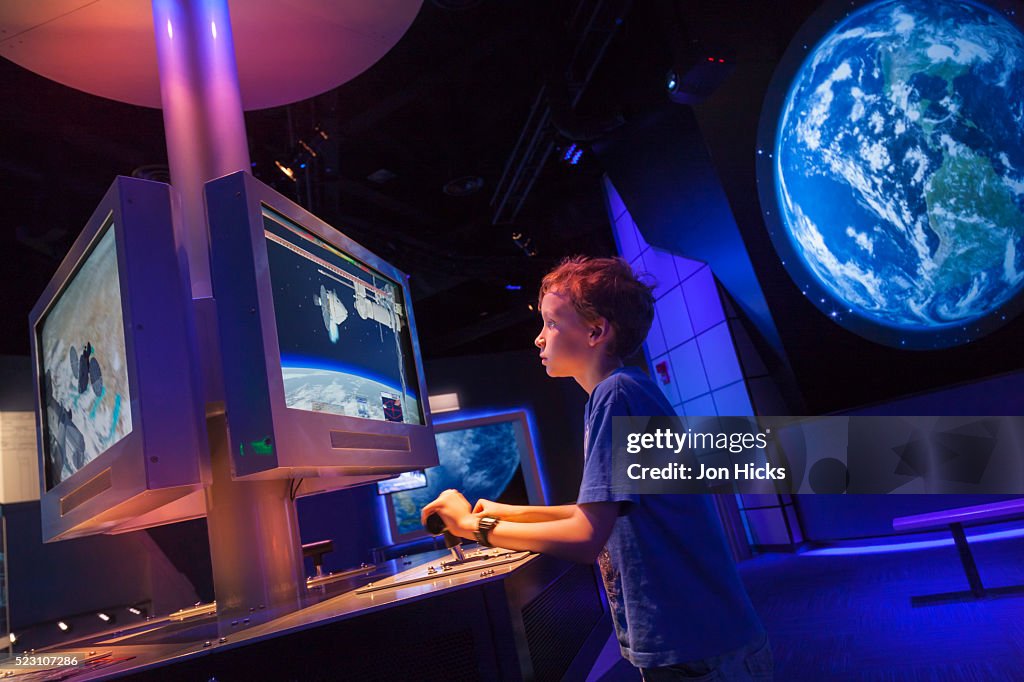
point(598, 372)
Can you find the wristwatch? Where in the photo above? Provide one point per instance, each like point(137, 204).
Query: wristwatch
point(483, 529)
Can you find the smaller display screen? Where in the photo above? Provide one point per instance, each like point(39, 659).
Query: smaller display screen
point(342, 327)
point(410, 480)
point(480, 461)
point(83, 365)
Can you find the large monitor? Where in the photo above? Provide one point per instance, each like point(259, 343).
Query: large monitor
point(490, 456)
point(321, 364)
point(119, 420)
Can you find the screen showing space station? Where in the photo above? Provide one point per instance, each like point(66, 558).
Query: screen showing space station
point(481, 461)
point(342, 328)
point(410, 480)
point(84, 370)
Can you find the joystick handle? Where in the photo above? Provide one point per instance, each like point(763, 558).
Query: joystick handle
point(435, 526)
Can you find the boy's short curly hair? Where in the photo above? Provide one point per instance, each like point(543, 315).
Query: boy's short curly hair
point(608, 288)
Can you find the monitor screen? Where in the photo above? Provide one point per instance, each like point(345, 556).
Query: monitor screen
point(83, 362)
point(410, 480)
point(482, 461)
point(342, 329)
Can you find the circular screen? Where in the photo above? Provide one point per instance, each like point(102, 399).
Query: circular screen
point(891, 168)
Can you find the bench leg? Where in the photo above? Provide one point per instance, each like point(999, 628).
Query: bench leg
point(967, 559)
point(977, 591)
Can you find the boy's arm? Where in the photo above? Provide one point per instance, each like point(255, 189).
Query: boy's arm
point(521, 513)
point(578, 537)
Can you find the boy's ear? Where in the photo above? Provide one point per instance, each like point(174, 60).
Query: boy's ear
point(600, 331)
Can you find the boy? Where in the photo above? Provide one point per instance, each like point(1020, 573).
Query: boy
point(679, 608)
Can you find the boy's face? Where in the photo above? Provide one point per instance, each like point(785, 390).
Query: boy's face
point(565, 338)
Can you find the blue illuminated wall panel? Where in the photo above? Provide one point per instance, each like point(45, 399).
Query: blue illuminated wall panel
point(675, 328)
point(690, 349)
point(733, 399)
point(656, 344)
point(703, 359)
point(690, 374)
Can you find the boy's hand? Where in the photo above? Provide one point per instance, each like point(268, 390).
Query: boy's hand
point(454, 510)
point(490, 508)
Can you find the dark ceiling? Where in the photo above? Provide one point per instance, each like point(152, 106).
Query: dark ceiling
point(450, 100)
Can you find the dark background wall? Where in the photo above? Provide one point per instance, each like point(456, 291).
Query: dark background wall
point(61, 579)
point(832, 517)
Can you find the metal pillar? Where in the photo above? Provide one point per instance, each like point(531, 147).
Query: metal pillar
point(254, 538)
point(202, 109)
point(254, 542)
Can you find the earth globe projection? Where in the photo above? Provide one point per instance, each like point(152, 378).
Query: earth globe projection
point(891, 167)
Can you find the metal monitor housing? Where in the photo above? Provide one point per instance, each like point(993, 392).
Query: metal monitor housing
point(268, 439)
point(147, 476)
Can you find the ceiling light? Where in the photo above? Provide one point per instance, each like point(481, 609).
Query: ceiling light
point(286, 170)
point(443, 402)
point(525, 243)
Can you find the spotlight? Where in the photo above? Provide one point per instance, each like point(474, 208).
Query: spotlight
point(525, 243)
point(697, 73)
point(105, 617)
point(289, 173)
point(12, 638)
point(136, 611)
point(64, 627)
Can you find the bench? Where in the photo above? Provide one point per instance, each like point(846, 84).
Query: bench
point(955, 519)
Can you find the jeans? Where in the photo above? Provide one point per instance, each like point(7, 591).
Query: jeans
point(750, 663)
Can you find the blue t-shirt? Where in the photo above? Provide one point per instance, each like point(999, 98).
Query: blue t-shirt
point(673, 588)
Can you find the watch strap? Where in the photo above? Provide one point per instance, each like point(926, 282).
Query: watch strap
point(484, 527)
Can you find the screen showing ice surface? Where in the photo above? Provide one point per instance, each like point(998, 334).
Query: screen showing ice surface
point(410, 480)
point(481, 461)
point(85, 375)
point(342, 328)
